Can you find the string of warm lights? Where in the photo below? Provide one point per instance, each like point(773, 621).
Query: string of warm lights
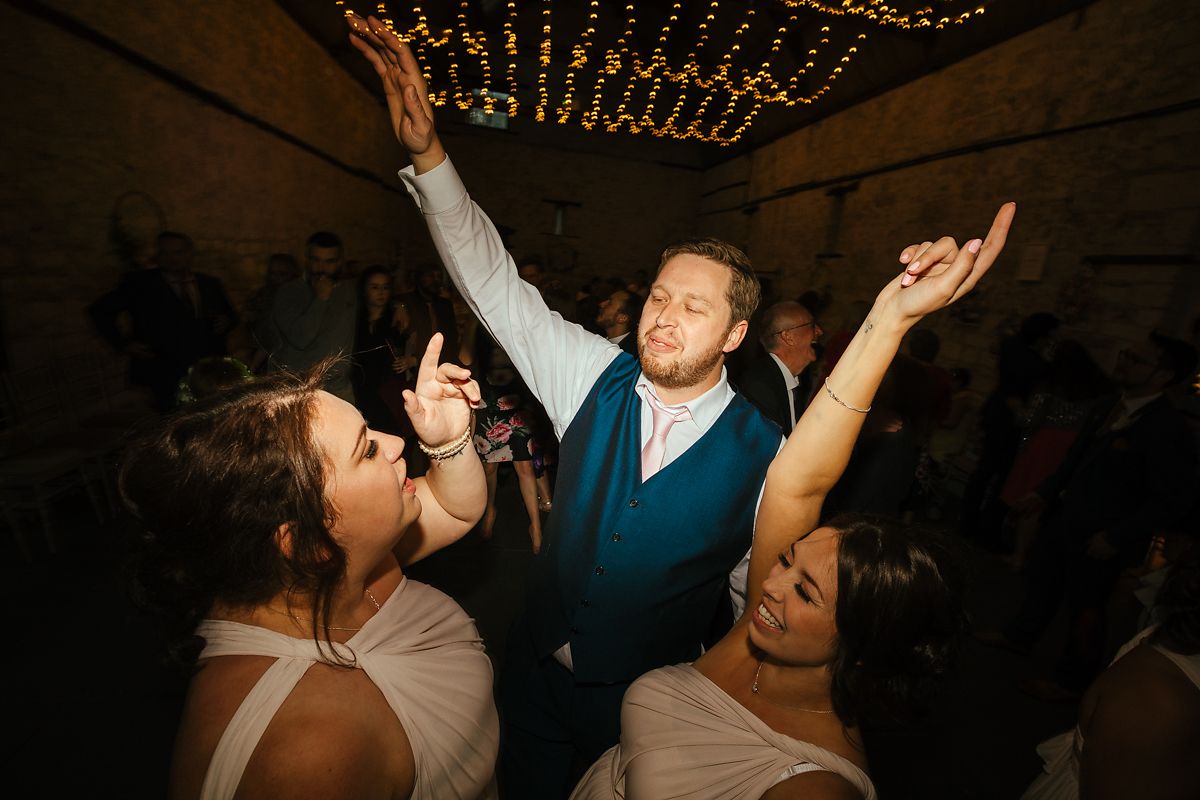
point(733, 85)
point(877, 11)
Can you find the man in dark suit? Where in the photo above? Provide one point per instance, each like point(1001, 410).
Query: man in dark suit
point(772, 381)
point(619, 316)
point(176, 316)
point(1130, 474)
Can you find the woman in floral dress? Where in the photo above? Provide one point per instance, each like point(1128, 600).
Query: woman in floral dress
point(503, 428)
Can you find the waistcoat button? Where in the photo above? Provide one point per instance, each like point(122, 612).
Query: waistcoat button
point(599, 570)
point(616, 537)
point(633, 503)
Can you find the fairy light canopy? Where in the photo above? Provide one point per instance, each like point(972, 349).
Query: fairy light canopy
point(702, 70)
point(688, 82)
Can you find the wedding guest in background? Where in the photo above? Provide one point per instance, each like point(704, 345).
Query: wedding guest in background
point(315, 315)
point(281, 268)
point(1131, 475)
point(1020, 365)
point(1062, 405)
point(618, 319)
point(503, 430)
point(772, 381)
point(379, 355)
point(175, 316)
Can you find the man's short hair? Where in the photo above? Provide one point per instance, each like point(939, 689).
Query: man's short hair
point(774, 318)
point(631, 307)
point(1175, 356)
point(324, 239)
point(744, 291)
point(168, 235)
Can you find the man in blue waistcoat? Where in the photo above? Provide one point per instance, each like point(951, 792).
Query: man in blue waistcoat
point(660, 470)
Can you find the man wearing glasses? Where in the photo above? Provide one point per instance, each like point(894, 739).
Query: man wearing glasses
point(772, 381)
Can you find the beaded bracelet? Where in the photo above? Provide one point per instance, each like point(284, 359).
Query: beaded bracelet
point(453, 448)
point(841, 402)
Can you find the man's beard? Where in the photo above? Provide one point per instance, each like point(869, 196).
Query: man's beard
point(681, 373)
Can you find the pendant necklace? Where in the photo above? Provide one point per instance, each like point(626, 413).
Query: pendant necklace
point(754, 690)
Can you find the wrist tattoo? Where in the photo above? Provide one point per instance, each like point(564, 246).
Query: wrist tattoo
point(867, 326)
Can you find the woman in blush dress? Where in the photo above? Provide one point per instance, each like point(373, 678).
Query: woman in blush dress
point(846, 620)
point(276, 526)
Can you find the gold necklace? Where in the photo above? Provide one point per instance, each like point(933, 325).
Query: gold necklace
point(299, 618)
point(754, 690)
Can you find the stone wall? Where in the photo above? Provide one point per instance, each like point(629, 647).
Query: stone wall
point(1088, 122)
point(226, 121)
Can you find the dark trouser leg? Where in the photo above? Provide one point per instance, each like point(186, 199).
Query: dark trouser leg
point(536, 752)
point(982, 511)
point(1087, 592)
point(595, 723)
point(1044, 575)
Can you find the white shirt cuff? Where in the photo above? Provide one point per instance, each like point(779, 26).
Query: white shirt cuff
point(435, 191)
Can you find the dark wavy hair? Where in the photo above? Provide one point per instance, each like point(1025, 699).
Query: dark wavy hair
point(210, 486)
point(899, 616)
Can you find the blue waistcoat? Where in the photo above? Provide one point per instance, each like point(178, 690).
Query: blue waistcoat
point(630, 573)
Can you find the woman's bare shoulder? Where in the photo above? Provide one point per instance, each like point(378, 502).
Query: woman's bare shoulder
point(334, 735)
point(816, 785)
point(1145, 681)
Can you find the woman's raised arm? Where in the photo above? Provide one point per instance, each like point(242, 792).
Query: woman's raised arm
point(452, 492)
point(816, 453)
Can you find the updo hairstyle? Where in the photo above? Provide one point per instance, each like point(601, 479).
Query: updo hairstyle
point(899, 616)
point(209, 488)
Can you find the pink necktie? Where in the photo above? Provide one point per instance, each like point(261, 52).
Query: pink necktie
point(656, 448)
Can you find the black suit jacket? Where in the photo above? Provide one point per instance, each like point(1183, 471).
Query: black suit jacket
point(629, 344)
point(1129, 483)
point(165, 323)
point(763, 385)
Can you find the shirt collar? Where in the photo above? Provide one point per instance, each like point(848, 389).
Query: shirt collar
point(788, 378)
point(1137, 404)
point(704, 409)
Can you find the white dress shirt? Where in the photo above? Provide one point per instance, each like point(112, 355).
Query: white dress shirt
point(791, 382)
point(559, 360)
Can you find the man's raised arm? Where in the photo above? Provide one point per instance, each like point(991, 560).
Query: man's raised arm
point(558, 360)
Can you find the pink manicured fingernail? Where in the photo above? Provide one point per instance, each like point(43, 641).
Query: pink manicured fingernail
point(974, 245)
point(908, 280)
point(904, 257)
point(914, 267)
